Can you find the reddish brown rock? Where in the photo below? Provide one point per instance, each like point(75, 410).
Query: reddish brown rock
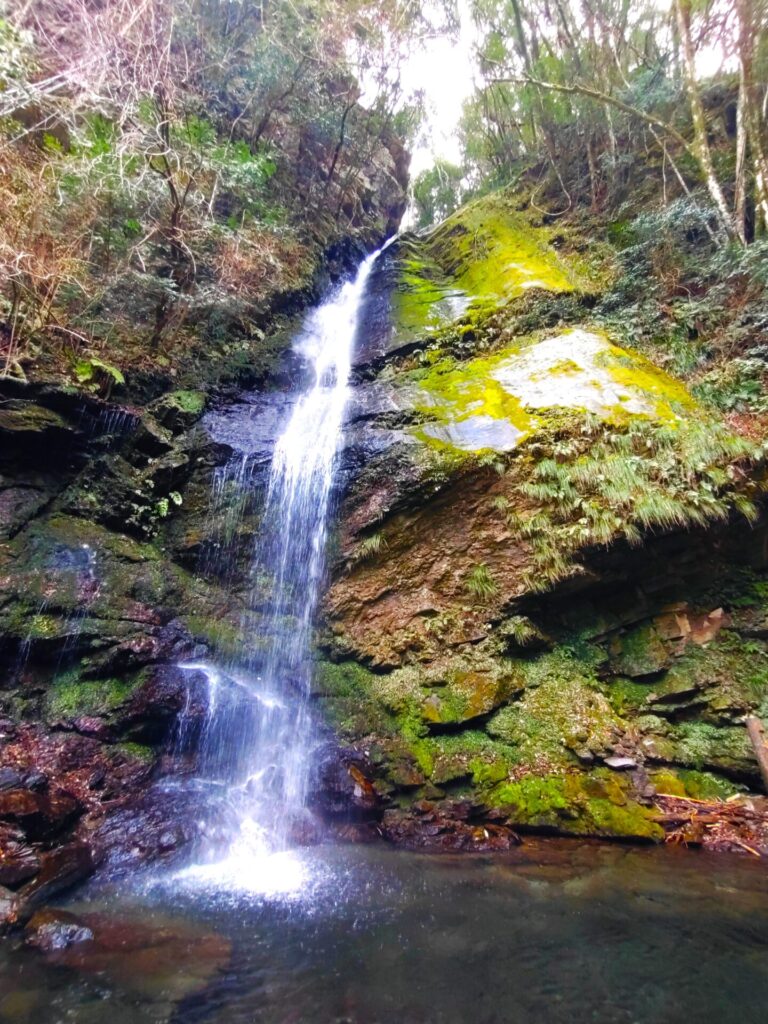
point(427, 826)
point(40, 815)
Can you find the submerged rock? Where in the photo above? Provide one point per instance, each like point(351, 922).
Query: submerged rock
point(52, 930)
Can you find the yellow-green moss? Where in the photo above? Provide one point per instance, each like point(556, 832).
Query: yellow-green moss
point(452, 393)
point(582, 805)
point(482, 256)
point(562, 713)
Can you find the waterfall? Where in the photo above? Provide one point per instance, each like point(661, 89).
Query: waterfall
point(257, 743)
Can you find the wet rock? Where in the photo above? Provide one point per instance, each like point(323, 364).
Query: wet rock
point(8, 908)
point(154, 825)
point(343, 787)
point(18, 861)
point(155, 705)
point(88, 725)
point(162, 957)
point(431, 827)
point(60, 868)
point(50, 931)
point(39, 815)
point(10, 778)
point(152, 439)
point(179, 410)
point(620, 764)
point(26, 423)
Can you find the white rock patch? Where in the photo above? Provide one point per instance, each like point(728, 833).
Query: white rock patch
point(571, 370)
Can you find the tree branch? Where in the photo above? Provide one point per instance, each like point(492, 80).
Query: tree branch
point(601, 97)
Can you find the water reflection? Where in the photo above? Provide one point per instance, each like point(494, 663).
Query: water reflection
point(551, 933)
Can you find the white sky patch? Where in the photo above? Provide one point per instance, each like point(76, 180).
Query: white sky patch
point(443, 69)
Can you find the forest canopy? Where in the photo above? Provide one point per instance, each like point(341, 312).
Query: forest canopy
point(604, 97)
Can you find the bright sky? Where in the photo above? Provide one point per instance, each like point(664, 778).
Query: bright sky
point(443, 70)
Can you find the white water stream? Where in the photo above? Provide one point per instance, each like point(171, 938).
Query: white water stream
point(258, 752)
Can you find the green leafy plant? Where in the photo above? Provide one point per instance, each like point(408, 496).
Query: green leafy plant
point(480, 583)
point(370, 546)
point(97, 376)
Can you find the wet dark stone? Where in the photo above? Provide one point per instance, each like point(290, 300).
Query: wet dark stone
point(153, 709)
point(41, 816)
point(35, 780)
point(342, 785)
point(8, 908)
point(157, 825)
point(49, 930)
point(18, 861)
point(60, 868)
point(10, 778)
point(89, 725)
point(427, 826)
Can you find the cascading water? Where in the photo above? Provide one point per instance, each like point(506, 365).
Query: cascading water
point(257, 751)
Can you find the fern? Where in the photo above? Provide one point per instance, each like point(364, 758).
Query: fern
point(370, 546)
point(481, 584)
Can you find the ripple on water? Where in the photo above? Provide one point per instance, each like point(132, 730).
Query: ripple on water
point(553, 933)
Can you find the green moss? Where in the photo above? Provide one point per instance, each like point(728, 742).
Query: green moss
point(700, 744)
point(222, 635)
point(593, 805)
point(668, 783)
point(135, 752)
point(730, 674)
point(639, 652)
point(561, 712)
point(626, 695)
point(494, 252)
point(707, 786)
point(190, 402)
point(347, 694)
point(483, 256)
point(71, 696)
point(453, 397)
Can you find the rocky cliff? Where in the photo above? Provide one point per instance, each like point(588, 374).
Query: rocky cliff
point(548, 608)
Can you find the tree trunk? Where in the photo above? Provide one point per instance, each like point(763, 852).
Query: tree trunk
point(751, 28)
point(700, 143)
point(740, 173)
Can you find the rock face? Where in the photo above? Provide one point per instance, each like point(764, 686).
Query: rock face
point(550, 570)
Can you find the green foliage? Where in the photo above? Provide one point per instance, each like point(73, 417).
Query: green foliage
point(193, 173)
point(605, 482)
point(437, 193)
point(96, 375)
point(735, 386)
point(480, 583)
point(370, 546)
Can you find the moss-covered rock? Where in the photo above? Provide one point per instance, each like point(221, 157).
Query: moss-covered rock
point(542, 568)
point(596, 805)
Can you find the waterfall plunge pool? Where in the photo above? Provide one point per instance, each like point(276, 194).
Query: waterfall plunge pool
point(554, 932)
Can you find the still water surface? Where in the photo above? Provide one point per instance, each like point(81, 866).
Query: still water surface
point(554, 932)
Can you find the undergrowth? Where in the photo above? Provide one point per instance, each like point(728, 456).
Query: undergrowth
point(606, 482)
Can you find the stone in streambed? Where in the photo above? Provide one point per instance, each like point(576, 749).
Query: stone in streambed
point(162, 957)
point(18, 861)
point(51, 930)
